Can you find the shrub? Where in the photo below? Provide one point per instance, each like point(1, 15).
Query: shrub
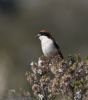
point(58, 79)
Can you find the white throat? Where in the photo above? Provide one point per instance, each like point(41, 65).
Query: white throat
point(45, 39)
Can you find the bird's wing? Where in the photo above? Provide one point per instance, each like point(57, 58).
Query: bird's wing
point(58, 48)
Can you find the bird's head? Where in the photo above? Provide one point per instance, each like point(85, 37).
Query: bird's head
point(44, 34)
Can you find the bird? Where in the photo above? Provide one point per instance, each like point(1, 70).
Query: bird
point(49, 46)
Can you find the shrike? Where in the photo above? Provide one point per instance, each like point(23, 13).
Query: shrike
point(49, 46)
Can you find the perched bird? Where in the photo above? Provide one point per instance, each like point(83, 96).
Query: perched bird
point(49, 46)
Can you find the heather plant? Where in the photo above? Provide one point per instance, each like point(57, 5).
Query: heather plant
point(58, 79)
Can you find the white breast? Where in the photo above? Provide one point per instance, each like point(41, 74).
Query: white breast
point(48, 47)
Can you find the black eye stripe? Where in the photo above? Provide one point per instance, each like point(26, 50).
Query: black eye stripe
point(45, 34)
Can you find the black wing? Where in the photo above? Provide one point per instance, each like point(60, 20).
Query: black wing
point(58, 48)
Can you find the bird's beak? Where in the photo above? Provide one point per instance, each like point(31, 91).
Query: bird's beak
point(37, 36)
